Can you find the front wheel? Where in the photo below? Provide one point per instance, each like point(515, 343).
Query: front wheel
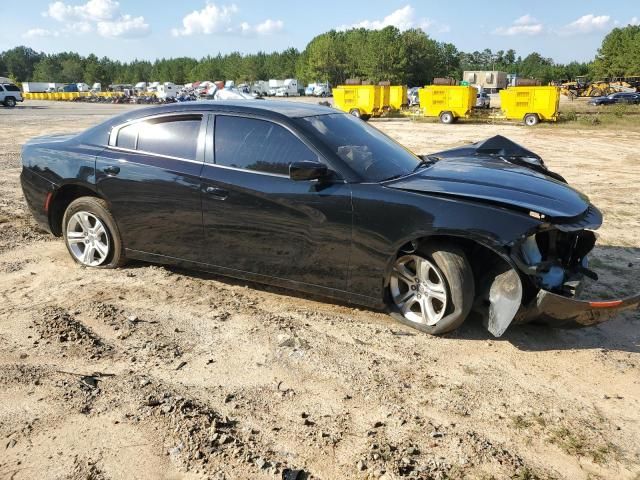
point(531, 119)
point(432, 289)
point(91, 234)
point(10, 102)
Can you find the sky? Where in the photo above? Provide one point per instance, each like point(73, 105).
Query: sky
point(149, 29)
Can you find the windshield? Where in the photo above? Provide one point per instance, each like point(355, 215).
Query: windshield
point(369, 152)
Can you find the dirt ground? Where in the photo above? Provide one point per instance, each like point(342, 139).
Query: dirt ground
point(151, 372)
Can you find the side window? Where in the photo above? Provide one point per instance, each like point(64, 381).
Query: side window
point(1, 88)
point(172, 136)
point(257, 145)
point(12, 88)
point(128, 136)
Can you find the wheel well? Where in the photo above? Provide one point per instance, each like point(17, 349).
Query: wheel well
point(61, 200)
point(485, 262)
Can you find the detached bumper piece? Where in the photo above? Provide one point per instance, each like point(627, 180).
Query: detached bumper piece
point(558, 311)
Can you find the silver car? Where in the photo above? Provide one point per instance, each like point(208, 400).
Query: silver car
point(483, 100)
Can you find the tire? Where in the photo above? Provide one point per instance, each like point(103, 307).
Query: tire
point(355, 112)
point(449, 264)
point(323, 94)
point(86, 212)
point(10, 102)
point(447, 118)
point(531, 119)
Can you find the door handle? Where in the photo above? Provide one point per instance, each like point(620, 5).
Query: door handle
point(112, 170)
point(219, 193)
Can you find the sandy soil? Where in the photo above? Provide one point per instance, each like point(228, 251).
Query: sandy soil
point(149, 372)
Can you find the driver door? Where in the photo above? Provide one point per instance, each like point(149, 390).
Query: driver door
point(259, 221)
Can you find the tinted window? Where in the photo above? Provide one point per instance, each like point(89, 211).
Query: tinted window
point(172, 137)
point(11, 88)
point(257, 145)
point(1, 89)
point(367, 150)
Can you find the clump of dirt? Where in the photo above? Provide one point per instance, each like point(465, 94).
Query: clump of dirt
point(86, 470)
point(200, 435)
point(57, 325)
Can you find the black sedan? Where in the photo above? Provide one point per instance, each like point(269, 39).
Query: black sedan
point(621, 97)
point(307, 198)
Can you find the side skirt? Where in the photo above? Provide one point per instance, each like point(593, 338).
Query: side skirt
point(335, 294)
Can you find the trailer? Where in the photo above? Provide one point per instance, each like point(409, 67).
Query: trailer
point(40, 87)
point(530, 104)
point(447, 102)
point(362, 101)
point(288, 89)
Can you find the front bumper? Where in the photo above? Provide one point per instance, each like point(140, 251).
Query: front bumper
point(558, 311)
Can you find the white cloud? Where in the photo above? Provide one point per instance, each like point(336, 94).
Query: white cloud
point(524, 25)
point(269, 26)
point(124, 27)
point(211, 19)
point(214, 19)
point(635, 21)
point(103, 16)
point(403, 19)
point(93, 10)
point(588, 24)
point(40, 32)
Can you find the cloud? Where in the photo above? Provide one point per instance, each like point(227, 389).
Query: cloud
point(269, 26)
point(635, 21)
point(403, 19)
point(102, 16)
point(524, 25)
point(125, 27)
point(587, 24)
point(214, 19)
point(40, 32)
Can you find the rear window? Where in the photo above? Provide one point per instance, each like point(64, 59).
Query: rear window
point(175, 136)
point(172, 137)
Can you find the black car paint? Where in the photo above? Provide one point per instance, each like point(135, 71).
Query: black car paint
point(336, 237)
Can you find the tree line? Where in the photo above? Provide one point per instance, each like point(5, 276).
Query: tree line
point(409, 57)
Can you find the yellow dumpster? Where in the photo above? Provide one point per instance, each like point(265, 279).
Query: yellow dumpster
point(530, 104)
point(447, 102)
point(385, 91)
point(398, 96)
point(362, 101)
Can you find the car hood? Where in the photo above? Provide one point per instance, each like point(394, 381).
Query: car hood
point(496, 180)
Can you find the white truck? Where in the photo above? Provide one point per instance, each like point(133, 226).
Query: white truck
point(260, 88)
point(167, 90)
point(82, 87)
point(274, 85)
point(140, 87)
point(289, 89)
point(40, 87)
point(322, 90)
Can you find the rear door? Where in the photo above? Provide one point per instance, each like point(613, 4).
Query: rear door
point(259, 221)
point(150, 175)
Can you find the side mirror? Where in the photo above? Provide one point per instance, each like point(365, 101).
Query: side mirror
point(307, 170)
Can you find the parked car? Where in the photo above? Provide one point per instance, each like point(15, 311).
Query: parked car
point(311, 199)
point(620, 97)
point(10, 94)
point(483, 100)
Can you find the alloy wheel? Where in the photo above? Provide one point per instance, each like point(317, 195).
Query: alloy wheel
point(88, 239)
point(418, 290)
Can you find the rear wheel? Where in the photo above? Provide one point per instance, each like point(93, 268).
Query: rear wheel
point(531, 119)
point(447, 118)
point(355, 112)
point(91, 234)
point(10, 102)
point(432, 289)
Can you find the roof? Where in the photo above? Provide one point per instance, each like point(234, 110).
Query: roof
point(273, 107)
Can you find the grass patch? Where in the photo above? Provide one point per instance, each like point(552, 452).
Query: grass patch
point(578, 445)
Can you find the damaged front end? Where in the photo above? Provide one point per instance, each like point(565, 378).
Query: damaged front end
point(548, 265)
